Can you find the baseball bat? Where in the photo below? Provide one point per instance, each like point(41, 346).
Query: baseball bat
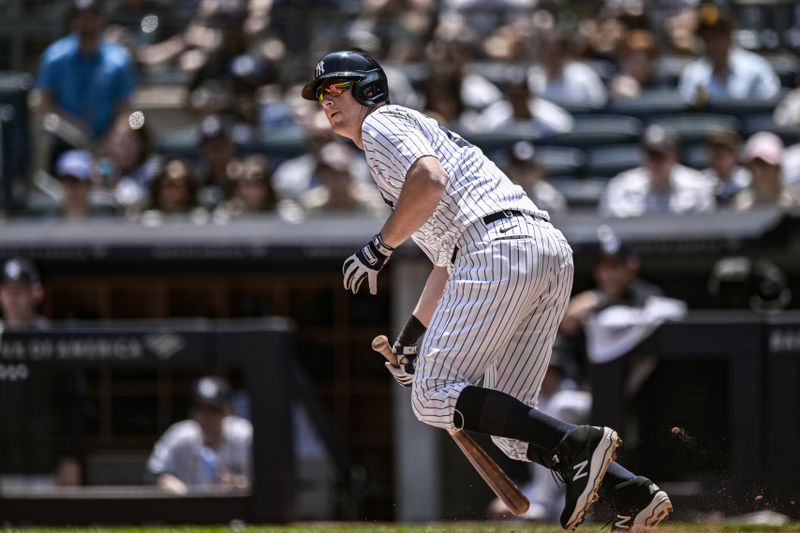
point(493, 475)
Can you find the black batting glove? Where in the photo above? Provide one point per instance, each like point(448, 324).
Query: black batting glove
point(365, 264)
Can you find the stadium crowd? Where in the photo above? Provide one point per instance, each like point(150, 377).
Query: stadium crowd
point(625, 108)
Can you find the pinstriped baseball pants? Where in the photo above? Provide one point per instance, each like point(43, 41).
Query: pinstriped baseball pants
point(497, 320)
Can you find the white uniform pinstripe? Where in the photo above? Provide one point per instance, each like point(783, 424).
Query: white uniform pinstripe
point(510, 281)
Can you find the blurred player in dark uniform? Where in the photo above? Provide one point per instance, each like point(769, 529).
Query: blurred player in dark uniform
point(41, 409)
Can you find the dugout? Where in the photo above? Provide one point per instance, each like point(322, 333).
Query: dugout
point(260, 351)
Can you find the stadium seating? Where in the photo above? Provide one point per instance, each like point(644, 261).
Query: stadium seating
point(695, 156)
point(561, 160)
point(503, 138)
point(766, 122)
point(660, 101)
point(581, 193)
point(743, 107)
point(608, 161)
point(695, 127)
point(595, 130)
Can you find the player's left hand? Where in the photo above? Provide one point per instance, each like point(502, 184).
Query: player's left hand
point(365, 264)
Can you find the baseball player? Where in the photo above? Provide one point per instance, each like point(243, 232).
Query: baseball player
point(490, 308)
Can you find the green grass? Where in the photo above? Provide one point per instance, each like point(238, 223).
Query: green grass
point(455, 527)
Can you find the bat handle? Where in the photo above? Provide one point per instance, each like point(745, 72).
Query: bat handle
point(381, 345)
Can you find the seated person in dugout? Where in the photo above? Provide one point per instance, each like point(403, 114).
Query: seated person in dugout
point(210, 450)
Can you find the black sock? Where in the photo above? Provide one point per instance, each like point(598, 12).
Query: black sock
point(540, 456)
point(499, 414)
point(615, 475)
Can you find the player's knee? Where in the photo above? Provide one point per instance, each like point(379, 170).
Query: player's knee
point(431, 412)
point(420, 407)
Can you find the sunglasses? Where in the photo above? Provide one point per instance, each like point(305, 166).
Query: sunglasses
point(333, 89)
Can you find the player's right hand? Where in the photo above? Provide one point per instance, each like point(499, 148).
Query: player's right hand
point(407, 357)
point(365, 264)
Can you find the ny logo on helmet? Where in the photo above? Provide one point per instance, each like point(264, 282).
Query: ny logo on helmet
point(319, 69)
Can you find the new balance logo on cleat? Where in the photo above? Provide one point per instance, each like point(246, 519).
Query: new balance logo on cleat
point(623, 522)
point(639, 503)
point(581, 468)
point(583, 458)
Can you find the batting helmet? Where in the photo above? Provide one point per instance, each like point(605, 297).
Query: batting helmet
point(370, 86)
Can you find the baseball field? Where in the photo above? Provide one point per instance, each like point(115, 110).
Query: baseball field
point(454, 527)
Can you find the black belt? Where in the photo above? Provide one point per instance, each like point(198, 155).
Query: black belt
point(507, 213)
point(494, 217)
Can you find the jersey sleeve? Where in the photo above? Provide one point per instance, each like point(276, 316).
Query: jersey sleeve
point(163, 457)
point(397, 140)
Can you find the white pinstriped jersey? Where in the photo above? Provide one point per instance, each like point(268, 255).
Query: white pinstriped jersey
point(395, 137)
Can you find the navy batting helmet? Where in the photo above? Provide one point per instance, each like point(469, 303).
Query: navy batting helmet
point(370, 86)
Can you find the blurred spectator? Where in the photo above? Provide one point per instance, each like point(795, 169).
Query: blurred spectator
point(763, 153)
point(483, 16)
point(449, 58)
point(84, 80)
point(79, 197)
point(674, 23)
point(228, 74)
point(191, 46)
point(339, 192)
point(127, 162)
point(74, 172)
point(252, 187)
point(724, 171)
point(563, 79)
point(173, 190)
point(661, 185)
point(526, 171)
point(41, 406)
point(726, 71)
point(443, 97)
point(407, 26)
point(521, 106)
point(274, 110)
point(558, 397)
point(212, 449)
point(787, 113)
point(228, 18)
point(218, 149)
point(637, 62)
point(142, 22)
point(295, 176)
point(400, 86)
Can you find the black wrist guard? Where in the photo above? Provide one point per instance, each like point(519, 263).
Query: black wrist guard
point(411, 332)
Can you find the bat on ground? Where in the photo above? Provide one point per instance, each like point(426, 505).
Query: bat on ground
point(493, 475)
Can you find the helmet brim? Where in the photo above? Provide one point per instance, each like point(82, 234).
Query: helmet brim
point(309, 91)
